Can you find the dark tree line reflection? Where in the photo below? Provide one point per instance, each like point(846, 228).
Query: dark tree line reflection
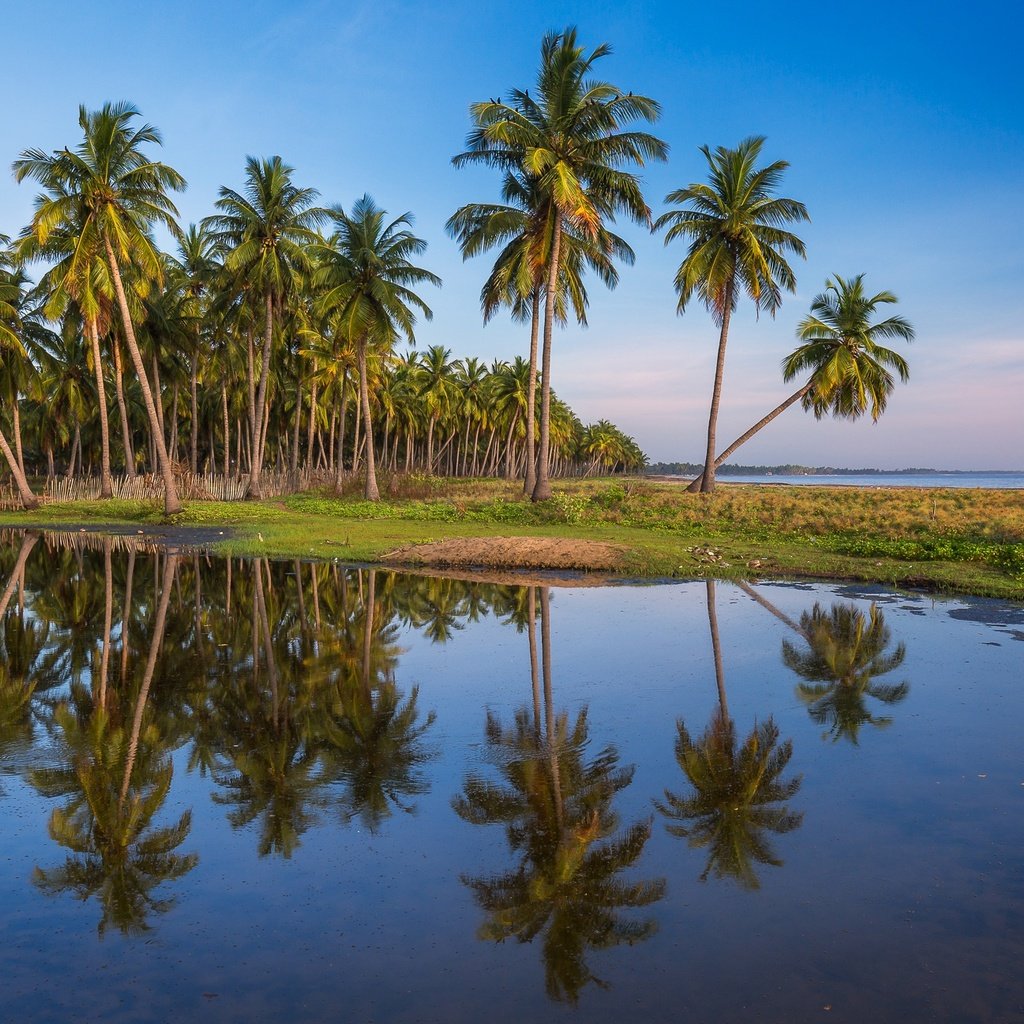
point(280, 680)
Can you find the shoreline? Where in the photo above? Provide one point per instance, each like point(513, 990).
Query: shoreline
point(607, 531)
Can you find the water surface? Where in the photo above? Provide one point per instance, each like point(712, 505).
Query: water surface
point(306, 791)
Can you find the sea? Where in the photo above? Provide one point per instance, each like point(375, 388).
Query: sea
point(986, 480)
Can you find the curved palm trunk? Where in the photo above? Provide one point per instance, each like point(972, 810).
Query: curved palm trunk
point(370, 492)
point(172, 503)
point(106, 487)
point(28, 542)
point(28, 499)
point(530, 477)
point(707, 479)
point(761, 423)
point(716, 649)
point(542, 489)
point(766, 604)
point(170, 565)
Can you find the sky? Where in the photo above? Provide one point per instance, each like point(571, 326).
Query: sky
point(902, 124)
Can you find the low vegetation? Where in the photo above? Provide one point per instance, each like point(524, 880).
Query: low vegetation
point(953, 540)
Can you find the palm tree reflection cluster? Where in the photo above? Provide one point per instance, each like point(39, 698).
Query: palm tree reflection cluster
point(281, 681)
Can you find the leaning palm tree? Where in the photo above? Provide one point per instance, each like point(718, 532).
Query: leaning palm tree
point(850, 371)
point(737, 244)
point(107, 193)
point(570, 138)
point(367, 278)
point(265, 232)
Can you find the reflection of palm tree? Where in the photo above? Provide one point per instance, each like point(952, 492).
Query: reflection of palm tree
point(117, 779)
point(116, 854)
point(738, 792)
point(737, 797)
point(847, 650)
point(556, 809)
point(369, 738)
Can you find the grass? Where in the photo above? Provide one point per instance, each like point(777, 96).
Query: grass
point(969, 541)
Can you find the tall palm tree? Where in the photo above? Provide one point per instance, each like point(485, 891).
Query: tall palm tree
point(737, 244)
point(367, 280)
point(849, 370)
point(569, 138)
point(107, 194)
point(265, 232)
point(523, 225)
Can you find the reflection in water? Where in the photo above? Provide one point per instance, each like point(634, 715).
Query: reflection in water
point(167, 719)
point(115, 773)
point(846, 652)
point(738, 794)
point(556, 807)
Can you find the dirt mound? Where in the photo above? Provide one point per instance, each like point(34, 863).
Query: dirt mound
point(511, 553)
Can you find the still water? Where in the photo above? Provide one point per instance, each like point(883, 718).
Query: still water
point(984, 481)
point(262, 791)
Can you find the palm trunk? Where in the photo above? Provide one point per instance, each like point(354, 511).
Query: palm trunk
point(28, 542)
point(716, 649)
point(106, 487)
point(193, 460)
point(761, 423)
point(170, 565)
point(227, 430)
point(108, 614)
point(312, 422)
point(370, 493)
point(254, 490)
point(19, 451)
point(707, 480)
point(293, 461)
point(542, 489)
point(28, 499)
point(172, 504)
point(122, 408)
point(530, 480)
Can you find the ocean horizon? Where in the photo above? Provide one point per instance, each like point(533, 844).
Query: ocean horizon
point(983, 479)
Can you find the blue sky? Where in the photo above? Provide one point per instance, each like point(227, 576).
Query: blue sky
point(902, 124)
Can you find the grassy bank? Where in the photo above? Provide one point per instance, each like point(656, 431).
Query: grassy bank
point(970, 541)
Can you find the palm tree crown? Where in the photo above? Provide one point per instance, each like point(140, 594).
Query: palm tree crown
point(850, 369)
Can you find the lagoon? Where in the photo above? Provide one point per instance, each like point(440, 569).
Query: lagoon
point(312, 791)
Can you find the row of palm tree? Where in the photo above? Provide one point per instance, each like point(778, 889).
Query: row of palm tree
point(260, 323)
point(274, 306)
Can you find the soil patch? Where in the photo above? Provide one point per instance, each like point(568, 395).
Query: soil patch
point(512, 553)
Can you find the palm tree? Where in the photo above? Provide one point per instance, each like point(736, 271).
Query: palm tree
point(107, 194)
point(849, 370)
point(265, 232)
point(367, 279)
point(846, 652)
point(737, 797)
point(569, 138)
point(738, 244)
point(523, 227)
point(11, 346)
point(737, 790)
